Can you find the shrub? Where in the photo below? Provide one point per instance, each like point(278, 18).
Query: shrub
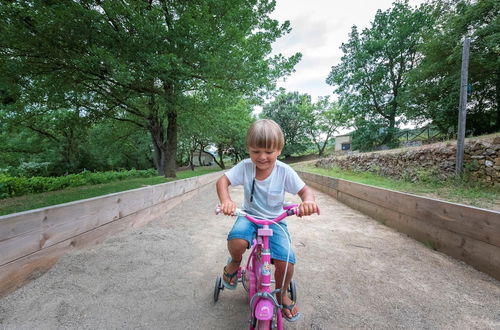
point(31, 169)
point(11, 186)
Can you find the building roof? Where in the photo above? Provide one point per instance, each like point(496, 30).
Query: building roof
point(348, 134)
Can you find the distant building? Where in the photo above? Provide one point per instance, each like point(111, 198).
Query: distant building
point(343, 142)
point(206, 158)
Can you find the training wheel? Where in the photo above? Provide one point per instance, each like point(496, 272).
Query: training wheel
point(292, 289)
point(218, 287)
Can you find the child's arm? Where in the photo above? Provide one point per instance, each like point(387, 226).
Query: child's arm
point(227, 206)
point(308, 205)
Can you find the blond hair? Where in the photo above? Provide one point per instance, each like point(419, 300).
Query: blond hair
point(265, 133)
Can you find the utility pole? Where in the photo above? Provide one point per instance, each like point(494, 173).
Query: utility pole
point(462, 110)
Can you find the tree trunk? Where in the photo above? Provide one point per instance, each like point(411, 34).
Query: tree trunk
point(191, 165)
point(171, 144)
point(392, 124)
point(159, 155)
point(221, 162)
point(322, 149)
point(497, 123)
point(171, 147)
point(221, 157)
point(191, 157)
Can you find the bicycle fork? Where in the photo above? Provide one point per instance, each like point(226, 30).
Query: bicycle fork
point(264, 303)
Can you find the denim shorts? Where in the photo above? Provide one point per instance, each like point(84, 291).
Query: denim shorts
point(247, 230)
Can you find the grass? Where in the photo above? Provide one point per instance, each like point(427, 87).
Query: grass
point(34, 201)
point(462, 192)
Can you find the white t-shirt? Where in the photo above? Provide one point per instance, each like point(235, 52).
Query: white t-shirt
point(269, 194)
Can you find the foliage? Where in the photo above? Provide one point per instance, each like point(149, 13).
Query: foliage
point(406, 67)
point(321, 120)
point(218, 122)
point(286, 110)
point(369, 134)
point(55, 143)
point(33, 169)
point(137, 61)
point(18, 186)
point(33, 201)
point(113, 145)
point(435, 82)
point(372, 73)
point(42, 135)
point(229, 131)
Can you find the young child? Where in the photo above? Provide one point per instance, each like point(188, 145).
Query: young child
point(265, 181)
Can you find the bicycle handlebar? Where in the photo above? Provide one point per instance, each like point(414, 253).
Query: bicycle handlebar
point(291, 209)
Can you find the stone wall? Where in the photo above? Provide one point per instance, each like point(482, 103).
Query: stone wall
point(435, 161)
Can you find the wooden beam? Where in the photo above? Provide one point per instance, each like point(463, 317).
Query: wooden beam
point(467, 233)
point(15, 273)
point(27, 232)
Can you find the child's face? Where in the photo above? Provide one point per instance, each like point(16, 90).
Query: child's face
point(264, 158)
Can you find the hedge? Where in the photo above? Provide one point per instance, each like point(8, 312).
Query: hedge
point(18, 186)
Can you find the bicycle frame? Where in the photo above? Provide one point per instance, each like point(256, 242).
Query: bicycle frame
point(262, 300)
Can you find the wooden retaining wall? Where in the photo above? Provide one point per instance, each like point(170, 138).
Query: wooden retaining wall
point(466, 233)
point(32, 241)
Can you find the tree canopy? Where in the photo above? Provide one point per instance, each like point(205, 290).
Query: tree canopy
point(102, 84)
point(138, 61)
point(435, 82)
point(372, 73)
point(406, 67)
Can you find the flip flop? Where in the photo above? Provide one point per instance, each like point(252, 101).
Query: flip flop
point(290, 308)
point(228, 285)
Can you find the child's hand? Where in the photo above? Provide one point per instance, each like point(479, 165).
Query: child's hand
point(307, 208)
point(228, 207)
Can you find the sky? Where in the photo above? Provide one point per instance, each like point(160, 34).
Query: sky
point(319, 27)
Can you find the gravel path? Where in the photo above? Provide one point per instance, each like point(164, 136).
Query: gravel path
point(352, 272)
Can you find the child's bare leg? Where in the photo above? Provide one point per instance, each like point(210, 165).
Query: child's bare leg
point(236, 249)
point(278, 277)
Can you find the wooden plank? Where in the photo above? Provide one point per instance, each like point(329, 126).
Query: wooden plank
point(483, 256)
point(27, 232)
point(208, 178)
point(134, 200)
point(58, 224)
point(20, 223)
point(483, 225)
point(17, 272)
point(80, 211)
point(35, 220)
point(19, 246)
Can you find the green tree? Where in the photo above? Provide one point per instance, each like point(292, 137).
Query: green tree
point(113, 145)
point(40, 134)
point(322, 120)
point(372, 73)
point(435, 82)
point(285, 110)
point(220, 124)
point(138, 61)
point(368, 134)
point(229, 130)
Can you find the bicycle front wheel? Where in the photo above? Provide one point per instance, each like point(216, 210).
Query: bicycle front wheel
point(264, 325)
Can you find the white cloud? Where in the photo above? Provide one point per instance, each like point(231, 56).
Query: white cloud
point(319, 27)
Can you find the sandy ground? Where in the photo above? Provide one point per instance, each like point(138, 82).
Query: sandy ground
point(352, 273)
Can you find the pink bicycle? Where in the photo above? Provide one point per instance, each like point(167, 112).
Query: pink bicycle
point(265, 311)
